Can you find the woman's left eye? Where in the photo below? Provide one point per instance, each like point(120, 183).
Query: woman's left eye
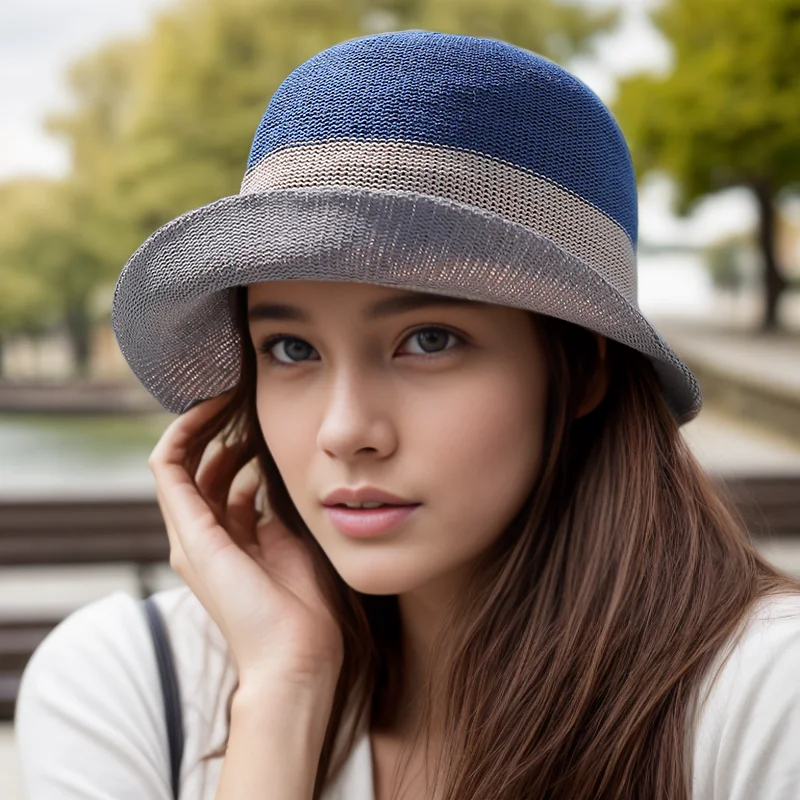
point(433, 336)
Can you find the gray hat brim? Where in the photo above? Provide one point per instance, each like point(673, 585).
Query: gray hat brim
point(173, 320)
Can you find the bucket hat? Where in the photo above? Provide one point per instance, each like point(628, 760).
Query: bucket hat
point(433, 162)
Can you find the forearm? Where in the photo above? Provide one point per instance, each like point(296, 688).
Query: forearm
point(276, 737)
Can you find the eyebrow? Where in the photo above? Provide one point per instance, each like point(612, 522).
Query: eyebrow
point(382, 308)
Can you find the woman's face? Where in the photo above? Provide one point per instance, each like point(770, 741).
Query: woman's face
point(441, 403)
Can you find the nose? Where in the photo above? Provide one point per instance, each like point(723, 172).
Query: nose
point(357, 417)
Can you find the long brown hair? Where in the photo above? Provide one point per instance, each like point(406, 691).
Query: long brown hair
point(572, 667)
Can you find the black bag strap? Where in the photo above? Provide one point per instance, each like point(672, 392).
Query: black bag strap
point(169, 689)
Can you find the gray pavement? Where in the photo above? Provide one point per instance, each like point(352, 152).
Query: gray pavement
point(728, 445)
point(10, 778)
point(769, 359)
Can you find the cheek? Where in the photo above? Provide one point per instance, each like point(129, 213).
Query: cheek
point(288, 436)
point(485, 452)
point(471, 454)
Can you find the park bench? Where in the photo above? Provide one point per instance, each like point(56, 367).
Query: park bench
point(65, 533)
point(115, 531)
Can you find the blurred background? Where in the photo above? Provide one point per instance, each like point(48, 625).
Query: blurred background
point(119, 116)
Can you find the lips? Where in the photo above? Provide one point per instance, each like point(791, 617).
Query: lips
point(371, 508)
point(364, 494)
point(369, 522)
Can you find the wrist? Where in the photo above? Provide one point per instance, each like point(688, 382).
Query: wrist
point(277, 730)
point(284, 689)
point(285, 713)
point(292, 673)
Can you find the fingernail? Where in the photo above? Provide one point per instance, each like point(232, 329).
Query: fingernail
point(197, 401)
point(192, 404)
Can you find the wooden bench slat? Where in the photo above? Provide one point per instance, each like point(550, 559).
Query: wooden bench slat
point(9, 689)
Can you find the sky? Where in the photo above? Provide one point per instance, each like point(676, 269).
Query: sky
point(39, 38)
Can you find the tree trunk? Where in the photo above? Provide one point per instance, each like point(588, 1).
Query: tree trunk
point(79, 330)
point(774, 282)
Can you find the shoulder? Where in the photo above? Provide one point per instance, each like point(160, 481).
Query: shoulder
point(104, 639)
point(110, 639)
point(87, 718)
point(747, 738)
point(90, 709)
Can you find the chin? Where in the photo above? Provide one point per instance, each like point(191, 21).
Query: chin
point(379, 575)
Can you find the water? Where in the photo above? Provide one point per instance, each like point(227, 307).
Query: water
point(56, 455)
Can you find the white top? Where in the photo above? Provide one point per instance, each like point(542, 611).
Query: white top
point(90, 721)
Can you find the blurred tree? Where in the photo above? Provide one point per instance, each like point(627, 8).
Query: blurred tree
point(102, 86)
point(21, 295)
point(728, 113)
point(203, 80)
point(553, 28)
point(48, 272)
point(25, 299)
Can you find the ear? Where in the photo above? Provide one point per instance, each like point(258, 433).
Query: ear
point(598, 385)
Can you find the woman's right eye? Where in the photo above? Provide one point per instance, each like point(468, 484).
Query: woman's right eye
point(294, 347)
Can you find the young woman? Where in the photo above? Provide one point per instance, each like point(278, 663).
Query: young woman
point(424, 297)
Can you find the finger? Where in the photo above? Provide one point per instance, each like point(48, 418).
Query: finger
point(167, 461)
point(177, 557)
point(175, 441)
point(194, 522)
point(242, 513)
point(216, 473)
point(182, 565)
point(180, 504)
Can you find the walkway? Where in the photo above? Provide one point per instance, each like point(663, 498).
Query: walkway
point(753, 375)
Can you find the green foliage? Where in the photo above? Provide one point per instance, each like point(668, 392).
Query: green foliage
point(49, 270)
point(557, 30)
point(103, 90)
point(203, 82)
point(728, 113)
point(27, 298)
point(23, 299)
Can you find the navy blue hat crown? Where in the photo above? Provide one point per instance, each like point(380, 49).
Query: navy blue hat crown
point(462, 93)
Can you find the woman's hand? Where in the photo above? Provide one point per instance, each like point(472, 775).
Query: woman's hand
point(253, 576)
